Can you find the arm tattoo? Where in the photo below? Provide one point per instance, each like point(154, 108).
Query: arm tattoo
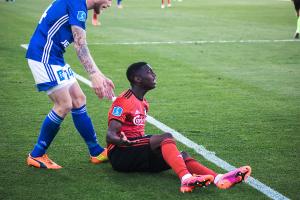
point(82, 50)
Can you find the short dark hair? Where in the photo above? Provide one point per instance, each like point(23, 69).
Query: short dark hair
point(133, 69)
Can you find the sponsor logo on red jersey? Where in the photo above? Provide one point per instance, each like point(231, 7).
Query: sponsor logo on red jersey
point(139, 120)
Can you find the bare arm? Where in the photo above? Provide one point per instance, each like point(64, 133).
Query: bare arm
point(83, 51)
point(102, 85)
point(112, 134)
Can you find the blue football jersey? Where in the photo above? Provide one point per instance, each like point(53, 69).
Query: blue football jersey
point(53, 33)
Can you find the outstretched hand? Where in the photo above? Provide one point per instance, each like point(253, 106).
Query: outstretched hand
point(103, 86)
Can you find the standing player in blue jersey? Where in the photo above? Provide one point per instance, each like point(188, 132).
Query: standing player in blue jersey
point(62, 23)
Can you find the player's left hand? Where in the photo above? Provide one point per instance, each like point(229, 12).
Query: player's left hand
point(124, 140)
point(102, 86)
point(110, 88)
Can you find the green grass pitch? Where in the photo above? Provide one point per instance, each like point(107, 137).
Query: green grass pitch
point(240, 100)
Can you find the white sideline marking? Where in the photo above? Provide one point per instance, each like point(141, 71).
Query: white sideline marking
point(84, 80)
point(193, 42)
point(208, 155)
point(25, 46)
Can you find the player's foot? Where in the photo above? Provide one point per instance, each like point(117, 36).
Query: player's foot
point(169, 5)
point(42, 162)
point(195, 181)
point(102, 157)
point(296, 36)
point(233, 177)
point(119, 6)
point(162, 6)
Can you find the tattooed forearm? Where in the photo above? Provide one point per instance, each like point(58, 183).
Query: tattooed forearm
point(82, 50)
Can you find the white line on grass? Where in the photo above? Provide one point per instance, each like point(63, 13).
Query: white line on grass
point(208, 155)
point(25, 46)
point(194, 42)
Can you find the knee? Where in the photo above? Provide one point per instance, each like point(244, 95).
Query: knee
point(185, 155)
point(79, 101)
point(167, 136)
point(63, 108)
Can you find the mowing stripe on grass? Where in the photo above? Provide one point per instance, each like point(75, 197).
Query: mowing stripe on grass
point(195, 42)
point(208, 155)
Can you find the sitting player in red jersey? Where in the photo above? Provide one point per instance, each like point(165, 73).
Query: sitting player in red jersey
point(130, 150)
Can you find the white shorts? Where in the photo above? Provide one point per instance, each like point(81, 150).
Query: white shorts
point(51, 77)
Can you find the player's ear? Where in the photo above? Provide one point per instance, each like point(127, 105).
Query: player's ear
point(137, 79)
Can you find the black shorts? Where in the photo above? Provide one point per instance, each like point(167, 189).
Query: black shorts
point(297, 5)
point(137, 158)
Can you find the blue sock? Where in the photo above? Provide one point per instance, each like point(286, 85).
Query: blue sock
point(48, 131)
point(119, 2)
point(85, 127)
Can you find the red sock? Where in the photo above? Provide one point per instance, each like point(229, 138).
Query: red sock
point(173, 157)
point(169, 1)
point(95, 16)
point(197, 168)
point(162, 2)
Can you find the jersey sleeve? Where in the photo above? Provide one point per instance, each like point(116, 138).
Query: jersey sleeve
point(77, 12)
point(118, 110)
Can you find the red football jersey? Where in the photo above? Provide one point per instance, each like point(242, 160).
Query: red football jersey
point(131, 112)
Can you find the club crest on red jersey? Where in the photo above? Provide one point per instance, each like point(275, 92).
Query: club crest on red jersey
point(117, 111)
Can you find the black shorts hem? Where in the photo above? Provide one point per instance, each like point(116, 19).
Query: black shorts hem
point(137, 158)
